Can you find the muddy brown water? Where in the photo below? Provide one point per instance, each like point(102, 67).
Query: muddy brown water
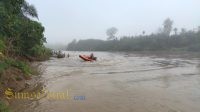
point(120, 82)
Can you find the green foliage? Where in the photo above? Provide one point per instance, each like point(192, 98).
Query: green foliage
point(18, 64)
point(3, 66)
point(31, 37)
point(40, 51)
point(3, 107)
point(6, 63)
point(21, 33)
point(2, 46)
point(29, 10)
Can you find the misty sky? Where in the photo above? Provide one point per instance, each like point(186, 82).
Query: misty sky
point(65, 20)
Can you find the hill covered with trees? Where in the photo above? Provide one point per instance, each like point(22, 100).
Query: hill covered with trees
point(167, 38)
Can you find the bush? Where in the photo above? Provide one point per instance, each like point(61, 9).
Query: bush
point(40, 52)
point(2, 46)
point(3, 107)
point(3, 66)
point(195, 47)
point(18, 64)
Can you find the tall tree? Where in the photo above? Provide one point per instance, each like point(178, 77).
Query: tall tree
point(29, 10)
point(183, 30)
point(175, 31)
point(143, 32)
point(167, 26)
point(111, 33)
point(198, 28)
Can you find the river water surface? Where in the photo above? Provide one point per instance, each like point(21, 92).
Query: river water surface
point(120, 82)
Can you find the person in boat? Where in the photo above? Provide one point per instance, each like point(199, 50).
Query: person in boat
point(92, 56)
point(68, 55)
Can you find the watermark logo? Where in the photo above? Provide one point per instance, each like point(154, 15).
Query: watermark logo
point(10, 94)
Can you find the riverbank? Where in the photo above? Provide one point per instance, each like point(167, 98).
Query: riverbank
point(17, 75)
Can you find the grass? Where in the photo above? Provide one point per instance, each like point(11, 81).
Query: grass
point(3, 107)
point(3, 66)
point(8, 62)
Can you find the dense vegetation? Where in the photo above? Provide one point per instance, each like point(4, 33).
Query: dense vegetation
point(3, 107)
point(165, 39)
point(21, 37)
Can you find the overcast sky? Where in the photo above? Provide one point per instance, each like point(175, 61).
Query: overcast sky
point(65, 20)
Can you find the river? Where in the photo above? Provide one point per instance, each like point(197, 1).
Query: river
point(120, 82)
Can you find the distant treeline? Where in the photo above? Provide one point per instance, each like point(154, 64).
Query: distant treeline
point(163, 40)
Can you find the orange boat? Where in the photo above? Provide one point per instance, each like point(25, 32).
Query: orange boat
point(86, 58)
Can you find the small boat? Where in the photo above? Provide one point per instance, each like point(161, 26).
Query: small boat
point(86, 58)
point(60, 55)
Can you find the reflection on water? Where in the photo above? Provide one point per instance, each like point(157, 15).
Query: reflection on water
point(122, 82)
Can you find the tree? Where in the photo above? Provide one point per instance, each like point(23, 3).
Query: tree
point(175, 31)
point(29, 10)
point(143, 32)
point(183, 30)
point(19, 31)
point(167, 26)
point(198, 28)
point(159, 31)
point(111, 33)
point(72, 45)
